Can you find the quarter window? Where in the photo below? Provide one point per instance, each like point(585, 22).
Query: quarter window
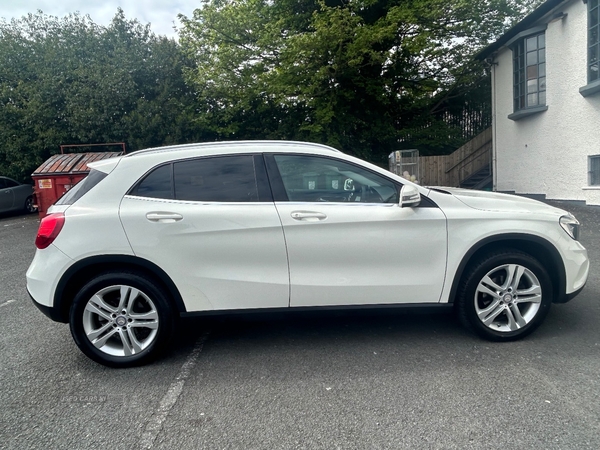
point(593, 41)
point(529, 72)
point(318, 179)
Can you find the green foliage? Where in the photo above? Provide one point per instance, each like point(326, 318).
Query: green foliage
point(367, 76)
point(70, 81)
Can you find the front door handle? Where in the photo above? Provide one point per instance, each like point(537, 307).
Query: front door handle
point(308, 216)
point(163, 217)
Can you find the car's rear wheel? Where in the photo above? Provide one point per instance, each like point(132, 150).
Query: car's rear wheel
point(121, 319)
point(504, 295)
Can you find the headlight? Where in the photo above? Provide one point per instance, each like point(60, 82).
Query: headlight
point(570, 225)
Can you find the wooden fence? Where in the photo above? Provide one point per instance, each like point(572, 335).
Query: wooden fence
point(453, 169)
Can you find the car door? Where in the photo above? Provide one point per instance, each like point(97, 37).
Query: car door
point(6, 195)
point(211, 224)
point(22, 192)
point(348, 240)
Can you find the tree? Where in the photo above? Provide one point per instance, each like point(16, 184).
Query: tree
point(367, 76)
point(71, 81)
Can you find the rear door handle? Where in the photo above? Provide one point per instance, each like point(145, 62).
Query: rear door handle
point(308, 216)
point(163, 217)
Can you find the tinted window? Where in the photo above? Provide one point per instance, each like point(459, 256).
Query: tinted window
point(81, 188)
point(2, 183)
point(157, 184)
point(220, 179)
point(317, 179)
point(11, 183)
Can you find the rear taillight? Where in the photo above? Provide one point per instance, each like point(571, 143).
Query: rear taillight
point(50, 226)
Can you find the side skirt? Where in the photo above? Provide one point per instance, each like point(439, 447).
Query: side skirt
point(422, 308)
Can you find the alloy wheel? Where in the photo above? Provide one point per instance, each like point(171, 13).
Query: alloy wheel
point(120, 320)
point(508, 298)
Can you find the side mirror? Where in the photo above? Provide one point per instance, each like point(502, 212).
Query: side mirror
point(409, 196)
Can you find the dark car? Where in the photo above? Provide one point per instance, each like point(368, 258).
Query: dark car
point(15, 196)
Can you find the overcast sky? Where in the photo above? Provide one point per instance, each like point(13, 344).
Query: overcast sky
point(161, 14)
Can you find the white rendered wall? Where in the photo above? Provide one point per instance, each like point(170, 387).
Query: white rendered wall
point(547, 153)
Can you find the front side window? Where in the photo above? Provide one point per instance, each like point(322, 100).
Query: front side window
point(594, 170)
point(529, 72)
point(317, 179)
point(593, 41)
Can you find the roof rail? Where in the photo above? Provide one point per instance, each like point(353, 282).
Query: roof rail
point(226, 143)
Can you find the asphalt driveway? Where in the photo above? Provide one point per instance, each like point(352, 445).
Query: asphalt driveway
point(318, 381)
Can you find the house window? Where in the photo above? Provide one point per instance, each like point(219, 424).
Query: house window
point(594, 170)
point(529, 70)
point(593, 41)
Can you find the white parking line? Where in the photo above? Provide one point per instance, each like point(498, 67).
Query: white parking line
point(154, 425)
point(6, 303)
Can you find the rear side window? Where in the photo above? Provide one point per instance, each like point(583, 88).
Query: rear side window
point(213, 179)
point(81, 188)
point(221, 179)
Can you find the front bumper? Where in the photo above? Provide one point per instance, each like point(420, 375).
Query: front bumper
point(568, 297)
point(577, 268)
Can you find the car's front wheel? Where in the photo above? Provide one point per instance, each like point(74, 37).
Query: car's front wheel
point(29, 205)
point(504, 296)
point(121, 319)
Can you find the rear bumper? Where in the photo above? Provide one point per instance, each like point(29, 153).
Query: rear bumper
point(48, 311)
point(46, 269)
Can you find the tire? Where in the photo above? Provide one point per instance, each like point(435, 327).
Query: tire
point(29, 206)
point(121, 319)
point(504, 295)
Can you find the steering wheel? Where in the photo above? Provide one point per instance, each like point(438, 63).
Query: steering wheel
point(369, 195)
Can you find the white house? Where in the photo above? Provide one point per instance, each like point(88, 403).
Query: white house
point(546, 103)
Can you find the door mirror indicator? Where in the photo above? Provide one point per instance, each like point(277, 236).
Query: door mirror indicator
point(409, 196)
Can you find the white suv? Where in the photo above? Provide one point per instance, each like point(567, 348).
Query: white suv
point(210, 228)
